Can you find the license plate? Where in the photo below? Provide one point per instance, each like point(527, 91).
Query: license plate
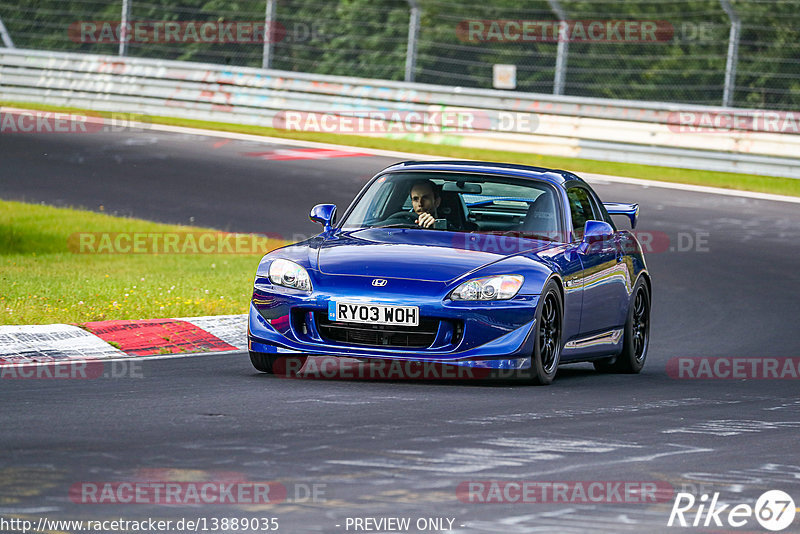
point(373, 313)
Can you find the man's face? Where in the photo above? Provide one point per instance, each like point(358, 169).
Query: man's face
point(423, 200)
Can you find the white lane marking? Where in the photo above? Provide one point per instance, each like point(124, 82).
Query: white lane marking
point(489, 454)
point(535, 444)
point(767, 474)
point(731, 427)
point(178, 356)
point(571, 519)
point(126, 358)
point(429, 157)
point(655, 405)
point(592, 177)
point(790, 405)
point(327, 401)
point(682, 449)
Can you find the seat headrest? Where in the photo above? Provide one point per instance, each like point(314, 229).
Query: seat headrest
point(541, 216)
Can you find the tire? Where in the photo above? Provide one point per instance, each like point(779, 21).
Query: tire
point(276, 363)
point(263, 362)
point(549, 333)
point(636, 338)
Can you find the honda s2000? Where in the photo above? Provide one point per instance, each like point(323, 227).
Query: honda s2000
point(485, 265)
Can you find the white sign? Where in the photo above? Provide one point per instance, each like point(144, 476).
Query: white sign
point(505, 76)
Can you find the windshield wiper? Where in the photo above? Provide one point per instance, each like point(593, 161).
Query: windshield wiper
point(395, 225)
point(518, 233)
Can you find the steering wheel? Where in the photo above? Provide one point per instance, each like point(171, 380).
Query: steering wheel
point(402, 218)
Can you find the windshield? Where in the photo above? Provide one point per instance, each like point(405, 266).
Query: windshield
point(459, 203)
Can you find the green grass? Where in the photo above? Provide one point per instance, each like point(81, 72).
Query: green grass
point(44, 281)
point(726, 180)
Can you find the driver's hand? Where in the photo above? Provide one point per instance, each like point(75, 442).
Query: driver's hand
point(425, 220)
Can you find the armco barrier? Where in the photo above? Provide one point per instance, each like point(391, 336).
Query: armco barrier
point(612, 130)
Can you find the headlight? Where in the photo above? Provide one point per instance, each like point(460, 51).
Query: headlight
point(501, 287)
point(288, 274)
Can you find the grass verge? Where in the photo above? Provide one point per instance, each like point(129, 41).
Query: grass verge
point(44, 279)
point(726, 180)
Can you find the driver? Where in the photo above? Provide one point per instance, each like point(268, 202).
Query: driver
point(425, 200)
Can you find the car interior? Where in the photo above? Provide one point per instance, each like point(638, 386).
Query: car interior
point(470, 205)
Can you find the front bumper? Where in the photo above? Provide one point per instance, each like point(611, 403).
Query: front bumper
point(491, 335)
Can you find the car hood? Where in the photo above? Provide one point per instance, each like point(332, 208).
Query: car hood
point(436, 256)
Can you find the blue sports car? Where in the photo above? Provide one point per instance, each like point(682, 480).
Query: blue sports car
point(460, 263)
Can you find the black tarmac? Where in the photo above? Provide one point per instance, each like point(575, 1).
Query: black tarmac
point(726, 284)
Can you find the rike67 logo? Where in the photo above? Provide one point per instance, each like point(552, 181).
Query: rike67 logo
point(774, 510)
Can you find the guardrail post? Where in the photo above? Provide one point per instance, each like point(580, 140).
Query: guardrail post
point(563, 47)
point(411, 48)
point(7, 42)
point(733, 53)
point(125, 18)
point(269, 21)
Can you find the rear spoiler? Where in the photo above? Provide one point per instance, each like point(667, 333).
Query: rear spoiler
point(629, 210)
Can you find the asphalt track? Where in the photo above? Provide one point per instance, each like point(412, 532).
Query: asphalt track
point(725, 285)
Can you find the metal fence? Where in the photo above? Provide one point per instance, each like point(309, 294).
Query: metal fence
point(613, 130)
point(743, 53)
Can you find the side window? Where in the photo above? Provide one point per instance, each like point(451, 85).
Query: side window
point(580, 207)
point(600, 213)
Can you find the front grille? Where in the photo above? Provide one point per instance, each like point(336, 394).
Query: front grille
point(378, 335)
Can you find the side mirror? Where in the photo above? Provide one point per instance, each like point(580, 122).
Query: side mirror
point(594, 232)
point(323, 214)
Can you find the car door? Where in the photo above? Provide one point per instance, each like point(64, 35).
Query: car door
point(605, 278)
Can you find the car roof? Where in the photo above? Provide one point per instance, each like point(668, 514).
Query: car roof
point(553, 176)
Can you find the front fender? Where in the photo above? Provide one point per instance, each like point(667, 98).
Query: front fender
point(535, 271)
